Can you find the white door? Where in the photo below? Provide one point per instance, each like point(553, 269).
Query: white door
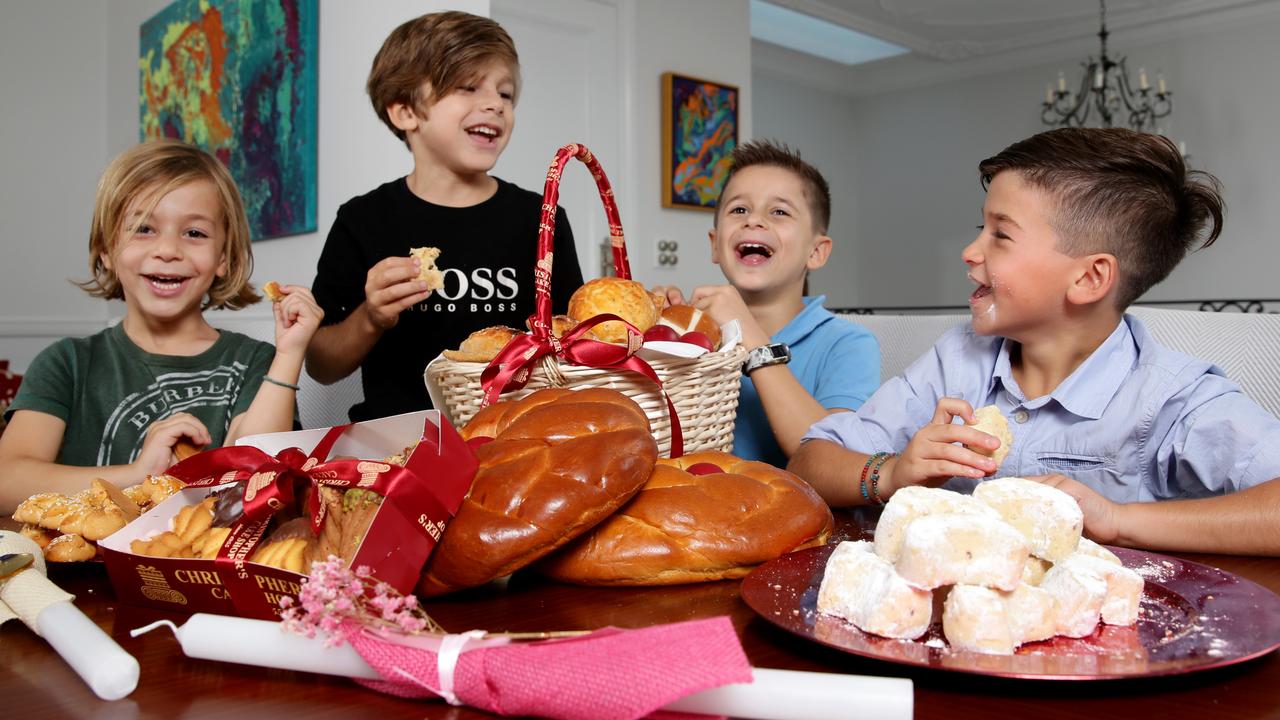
point(570, 93)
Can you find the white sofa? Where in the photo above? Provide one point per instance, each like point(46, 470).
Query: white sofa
point(1245, 345)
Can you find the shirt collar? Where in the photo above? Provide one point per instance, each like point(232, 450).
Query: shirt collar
point(1089, 389)
point(805, 322)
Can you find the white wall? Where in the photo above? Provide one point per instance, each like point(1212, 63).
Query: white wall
point(51, 138)
point(824, 133)
point(707, 39)
point(915, 153)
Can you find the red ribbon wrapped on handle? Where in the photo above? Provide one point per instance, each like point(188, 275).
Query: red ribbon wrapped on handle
point(510, 370)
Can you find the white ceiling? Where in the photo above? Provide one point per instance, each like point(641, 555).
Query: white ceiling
point(955, 38)
point(961, 29)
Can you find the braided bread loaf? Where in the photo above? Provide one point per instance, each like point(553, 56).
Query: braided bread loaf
point(560, 462)
point(718, 521)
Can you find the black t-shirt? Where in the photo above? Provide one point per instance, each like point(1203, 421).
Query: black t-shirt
point(487, 254)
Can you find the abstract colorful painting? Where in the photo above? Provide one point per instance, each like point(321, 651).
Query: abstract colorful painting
point(238, 79)
point(699, 133)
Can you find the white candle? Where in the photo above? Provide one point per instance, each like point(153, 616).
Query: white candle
point(787, 694)
point(1097, 79)
point(111, 672)
point(1160, 81)
point(44, 607)
point(1062, 81)
point(1048, 94)
point(1142, 78)
point(263, 643)
point(772, 695)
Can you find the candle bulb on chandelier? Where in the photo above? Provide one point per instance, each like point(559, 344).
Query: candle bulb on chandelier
point(1097, 79)
point(1160, 82)
point(1142, 78)
point(1048, 94)
point(1062, 81)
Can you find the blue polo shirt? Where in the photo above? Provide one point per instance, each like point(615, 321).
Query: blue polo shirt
point(1136, 421)
point(837, 362)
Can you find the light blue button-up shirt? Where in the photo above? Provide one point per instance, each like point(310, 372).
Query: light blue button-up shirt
point(1136, 421)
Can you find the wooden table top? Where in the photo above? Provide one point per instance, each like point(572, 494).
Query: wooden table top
point(35, 683)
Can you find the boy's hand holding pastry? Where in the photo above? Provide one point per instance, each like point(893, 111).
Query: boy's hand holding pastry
point(297, 316)
point(1101, 516)
point(157, 453)
point(936, 452)
point(724, 303)
point(390, 287)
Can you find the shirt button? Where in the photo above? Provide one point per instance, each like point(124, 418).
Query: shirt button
point(1021, 416)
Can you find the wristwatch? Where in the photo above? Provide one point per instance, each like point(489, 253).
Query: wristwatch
point(766, 355)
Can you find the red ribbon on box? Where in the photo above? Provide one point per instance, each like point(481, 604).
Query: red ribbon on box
point(510, 370)
point(425, 507)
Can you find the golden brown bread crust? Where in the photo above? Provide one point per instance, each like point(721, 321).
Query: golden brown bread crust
point(69, 548)
point(687, 318)
point(561, 461)
point(689, 528)
point(272, 290)
point(627, 299)
point(428, 273)
point(482, 345)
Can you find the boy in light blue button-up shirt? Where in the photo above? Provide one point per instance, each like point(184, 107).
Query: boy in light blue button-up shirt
point(1077, 224)
point(770, 230)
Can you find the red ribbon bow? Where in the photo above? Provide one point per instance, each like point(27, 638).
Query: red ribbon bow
point(270, 482)
point(512, 368)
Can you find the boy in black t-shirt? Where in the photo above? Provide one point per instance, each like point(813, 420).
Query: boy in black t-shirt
point(445, 84)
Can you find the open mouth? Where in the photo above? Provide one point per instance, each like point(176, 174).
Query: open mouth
point(980, 292)
point(753, 253)
point(487, 134)
point(166, 284)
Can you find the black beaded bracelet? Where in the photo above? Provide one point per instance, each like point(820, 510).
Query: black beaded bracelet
point(281, 383)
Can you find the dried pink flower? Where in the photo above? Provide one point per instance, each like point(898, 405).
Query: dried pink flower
point(340, 602)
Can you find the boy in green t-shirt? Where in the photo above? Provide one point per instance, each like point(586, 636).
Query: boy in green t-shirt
point(170, 238)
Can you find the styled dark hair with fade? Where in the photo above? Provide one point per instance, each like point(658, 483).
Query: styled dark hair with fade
point(1121, 192)
point(775, 154)
point(444, 49)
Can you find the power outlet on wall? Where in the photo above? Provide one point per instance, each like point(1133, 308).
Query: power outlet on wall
point(668, 254)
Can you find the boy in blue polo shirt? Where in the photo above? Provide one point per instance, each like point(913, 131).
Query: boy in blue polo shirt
point(803, 363)
point(1077, 224)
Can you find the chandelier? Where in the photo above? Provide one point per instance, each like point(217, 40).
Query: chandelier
point(1107, 90)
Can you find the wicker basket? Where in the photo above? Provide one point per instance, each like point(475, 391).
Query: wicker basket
point(703, 390)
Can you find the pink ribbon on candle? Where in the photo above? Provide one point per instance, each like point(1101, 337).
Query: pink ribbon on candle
point(611, 674)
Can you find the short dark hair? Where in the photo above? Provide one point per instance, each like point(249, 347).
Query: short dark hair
point(443, 49)
point(775, 154)
point(1118, 191)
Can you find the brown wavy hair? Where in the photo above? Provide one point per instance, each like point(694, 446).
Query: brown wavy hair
point(146, 173)
point(1121, 192)
point(775, 154)
point(444, 50)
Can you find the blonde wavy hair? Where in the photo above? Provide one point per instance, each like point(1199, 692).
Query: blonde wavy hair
point(146, 173)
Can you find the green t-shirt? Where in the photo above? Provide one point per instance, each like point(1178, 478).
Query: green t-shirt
point(109, 391)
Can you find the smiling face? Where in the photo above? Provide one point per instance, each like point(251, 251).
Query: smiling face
point(765, 238)
point(466, 129)
point(167, 261)
point(1022, 276)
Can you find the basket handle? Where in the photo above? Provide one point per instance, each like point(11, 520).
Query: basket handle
point(541, 320)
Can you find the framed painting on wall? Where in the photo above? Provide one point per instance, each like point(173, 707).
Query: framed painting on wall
point(699, 133)
point(238, 79)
